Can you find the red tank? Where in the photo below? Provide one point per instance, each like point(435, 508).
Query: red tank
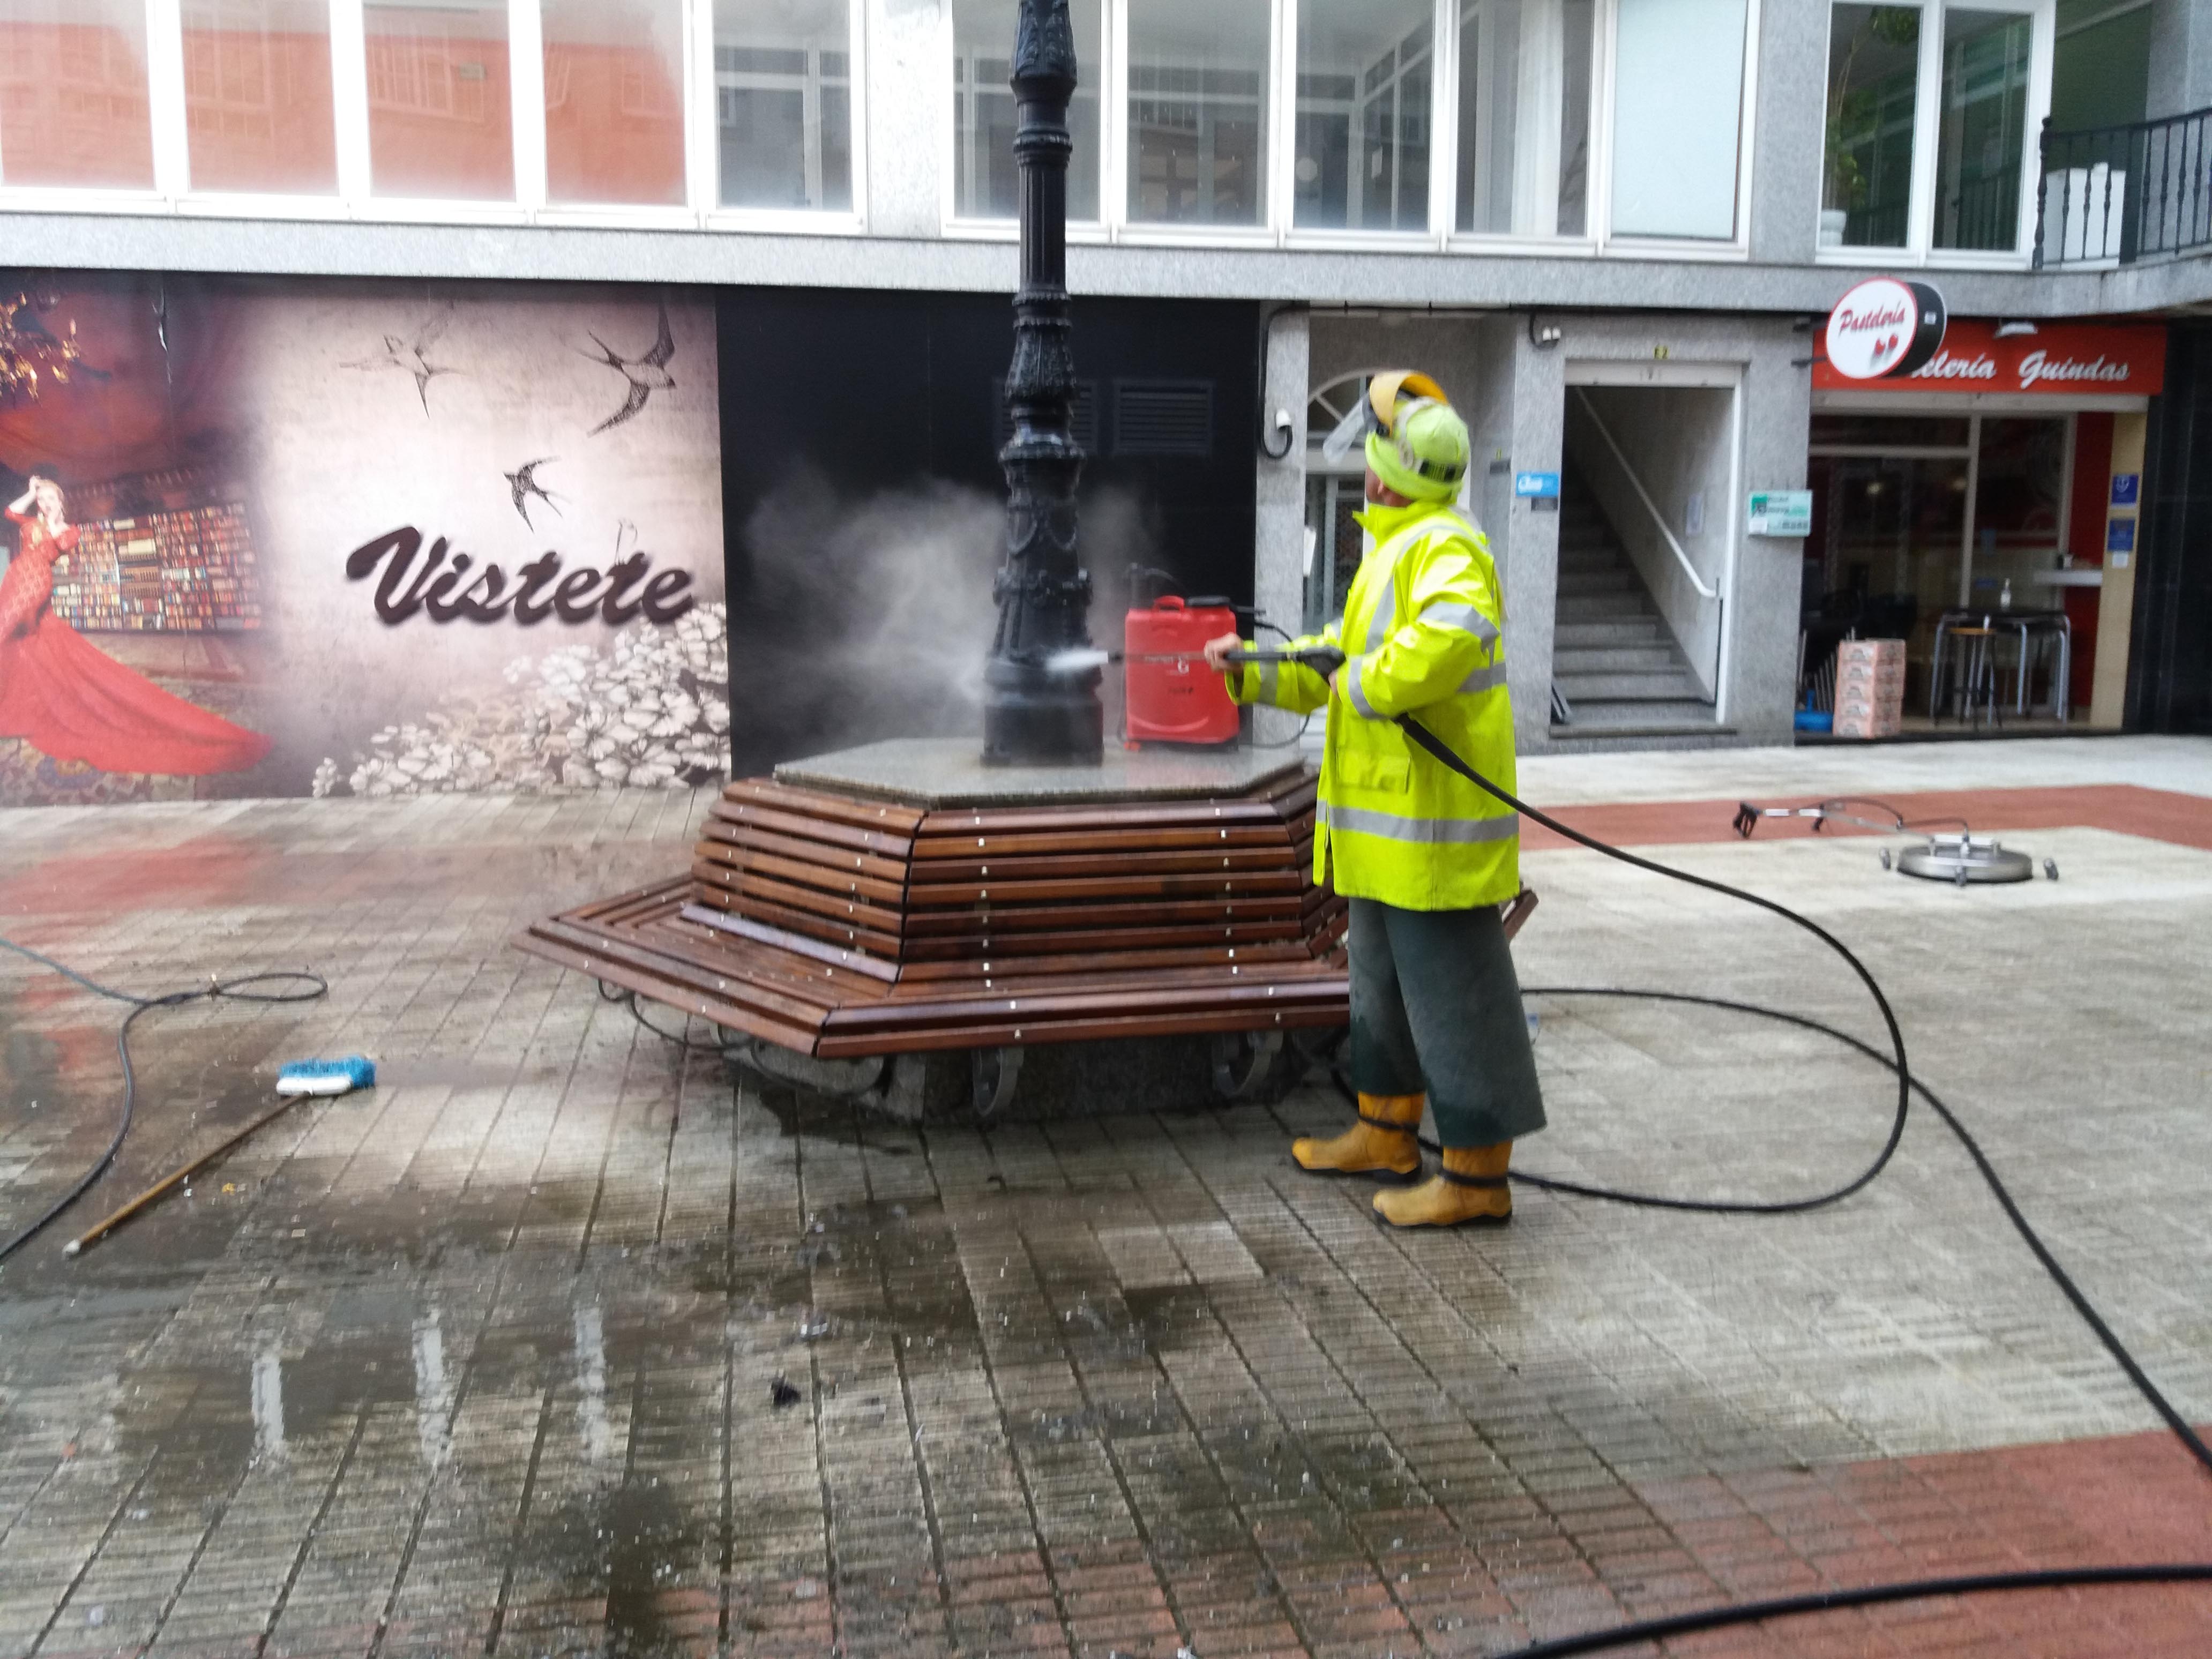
point(1177, 701)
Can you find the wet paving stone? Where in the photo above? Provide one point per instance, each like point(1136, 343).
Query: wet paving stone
point(563, 1340)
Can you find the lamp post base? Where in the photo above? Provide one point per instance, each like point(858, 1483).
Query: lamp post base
point(1034, 719)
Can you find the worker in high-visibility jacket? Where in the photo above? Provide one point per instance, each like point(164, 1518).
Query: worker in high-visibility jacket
point(1425, 857)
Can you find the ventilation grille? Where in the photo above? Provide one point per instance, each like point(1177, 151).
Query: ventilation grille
point(1084, 418)
point(1163, 417)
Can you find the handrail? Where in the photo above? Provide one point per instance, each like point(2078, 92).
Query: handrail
point(1644, 495)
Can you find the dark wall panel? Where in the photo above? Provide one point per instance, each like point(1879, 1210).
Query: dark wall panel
point(862, 483)
point(2170, 664)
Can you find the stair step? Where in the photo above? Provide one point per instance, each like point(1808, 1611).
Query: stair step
point(1659, 685)
point(1640, 718)
point(1613, 579)
point(1654, 658)
point(1645, 629)
point(1591, 558)
point(1602, 607)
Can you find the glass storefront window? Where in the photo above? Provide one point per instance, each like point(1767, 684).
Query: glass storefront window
point(614, 100)
point(1363, 114)
point(1984, 119)
point(1524, 116)
point(1198, 111)
point(1677, 117)
point(440, 124)
point(1873, 78)
point(983, 110)
point(1893, 530)
point(258, 109)
point(73, 108)
point(783, 103)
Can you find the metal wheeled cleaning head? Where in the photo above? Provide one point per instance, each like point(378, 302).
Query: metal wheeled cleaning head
point(1960, 857)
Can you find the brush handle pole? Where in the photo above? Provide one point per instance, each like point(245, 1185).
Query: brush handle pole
point(98, 1230)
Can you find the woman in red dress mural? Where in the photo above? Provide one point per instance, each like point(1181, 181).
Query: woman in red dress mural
point(73, 702)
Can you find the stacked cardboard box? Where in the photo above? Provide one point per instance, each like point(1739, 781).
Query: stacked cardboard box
point(1870, 687)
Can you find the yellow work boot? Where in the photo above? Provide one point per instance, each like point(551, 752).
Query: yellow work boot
point(1471, 1187)
point(1381, 1144)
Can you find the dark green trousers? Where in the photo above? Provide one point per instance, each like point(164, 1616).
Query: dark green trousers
point(1435, 1006)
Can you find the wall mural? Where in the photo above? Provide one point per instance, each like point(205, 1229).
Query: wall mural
point(278, 539)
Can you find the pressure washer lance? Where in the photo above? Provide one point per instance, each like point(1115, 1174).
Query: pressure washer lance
point(1323, 659)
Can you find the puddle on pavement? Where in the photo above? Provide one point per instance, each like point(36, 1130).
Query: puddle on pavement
point(588, 1376)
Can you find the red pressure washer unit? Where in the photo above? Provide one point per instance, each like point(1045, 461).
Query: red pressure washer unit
point(1181, 701)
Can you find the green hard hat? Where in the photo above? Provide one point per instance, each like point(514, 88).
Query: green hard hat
point(1424, 454)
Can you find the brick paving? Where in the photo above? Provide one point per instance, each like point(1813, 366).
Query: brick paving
point(487, 1361)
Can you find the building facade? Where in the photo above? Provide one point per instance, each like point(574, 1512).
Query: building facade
point(1615, 229)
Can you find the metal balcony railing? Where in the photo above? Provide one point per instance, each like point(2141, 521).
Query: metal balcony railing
point(2114, 195)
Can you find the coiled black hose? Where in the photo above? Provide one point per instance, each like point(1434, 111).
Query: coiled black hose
point(1752, 1612)
point(311, 985)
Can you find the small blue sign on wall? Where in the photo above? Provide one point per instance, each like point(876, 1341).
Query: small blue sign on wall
point(2119, 535)
point(2127, 487)
point(1536, 484)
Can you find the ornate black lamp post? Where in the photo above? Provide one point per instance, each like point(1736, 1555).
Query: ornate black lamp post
point(1033, 715)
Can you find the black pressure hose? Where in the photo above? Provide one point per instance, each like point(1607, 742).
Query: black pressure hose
point(1752, 1612)
point(253, 987)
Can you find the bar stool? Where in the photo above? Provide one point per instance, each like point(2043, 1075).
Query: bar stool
point(1978, 676)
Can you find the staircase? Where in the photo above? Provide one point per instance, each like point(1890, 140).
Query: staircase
point(1613, 659)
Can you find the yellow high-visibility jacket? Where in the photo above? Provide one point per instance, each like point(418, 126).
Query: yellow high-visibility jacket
point(1424, 634)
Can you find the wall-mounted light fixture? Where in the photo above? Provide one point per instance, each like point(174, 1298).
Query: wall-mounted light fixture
point(1542, 336)
point(2013, 327)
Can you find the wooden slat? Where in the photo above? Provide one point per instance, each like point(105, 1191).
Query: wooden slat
point(634, 896)
point(925, 973)
point(1003, 1033)
point(586, 960)
point(1046, 865)
point(857, 961)
point(996, 890)
point(988, 921)
point(728, 978)
point(777, 796)
point(714, 862)
point(792, 824)
point(717, 840)
point(1120, 815)
point(799, 921)
point(1013, 978)
point(832, 906)
point(1128, 998)
point(1096, 939)
point(1099, 841)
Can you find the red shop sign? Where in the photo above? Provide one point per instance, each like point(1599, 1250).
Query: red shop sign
point(2059, 359)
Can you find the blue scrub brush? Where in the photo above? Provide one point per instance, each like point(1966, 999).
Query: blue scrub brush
point(326, 1077)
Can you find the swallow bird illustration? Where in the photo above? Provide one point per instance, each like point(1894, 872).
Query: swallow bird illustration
point(400, 352)
point(646, 375)
point(522, 483)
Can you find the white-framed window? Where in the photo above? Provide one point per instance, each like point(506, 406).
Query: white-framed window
point(783, 105)
point(1526, 69)
point(1366, 83)
point(982, 158)
point(1932, 110)
point(1680, 68)
point(719, 113)
point(1467, 125)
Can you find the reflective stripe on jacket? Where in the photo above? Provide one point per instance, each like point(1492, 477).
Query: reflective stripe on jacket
point(1423, 630)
